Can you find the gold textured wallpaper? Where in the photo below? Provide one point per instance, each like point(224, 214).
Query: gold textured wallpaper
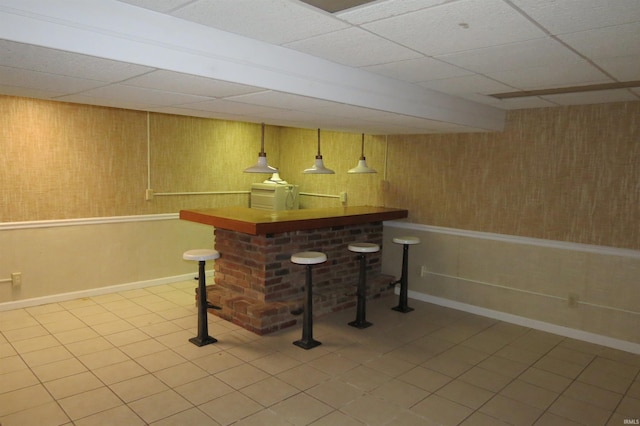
point(567, 173)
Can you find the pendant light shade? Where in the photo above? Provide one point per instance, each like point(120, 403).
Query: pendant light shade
point(318, 166)
point(362, 163)
point(261, 166)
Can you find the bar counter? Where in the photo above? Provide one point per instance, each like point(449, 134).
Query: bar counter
point(259, 222)
point(257, 286)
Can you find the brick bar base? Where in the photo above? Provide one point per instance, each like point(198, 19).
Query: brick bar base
point(259, 288)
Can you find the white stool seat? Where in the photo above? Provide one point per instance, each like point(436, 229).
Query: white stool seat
point(406, 240)
point(200, 254)
point(308, 258)
point(364, 247)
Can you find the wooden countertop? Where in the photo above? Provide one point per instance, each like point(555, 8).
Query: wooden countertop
point(260, 222)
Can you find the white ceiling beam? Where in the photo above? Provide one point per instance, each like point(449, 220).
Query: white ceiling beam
point(118, 31)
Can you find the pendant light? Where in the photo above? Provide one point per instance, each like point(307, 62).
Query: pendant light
point(318, 167)
point(261, 166)
point(362, 163)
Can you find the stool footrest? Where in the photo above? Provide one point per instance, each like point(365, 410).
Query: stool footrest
point(212, 306)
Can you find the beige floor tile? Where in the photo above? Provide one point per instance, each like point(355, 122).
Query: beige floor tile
point(180, 338)
point(59, 369)
point(275, 363)
point(559, 367)
point(160, 405)
point(65, 325)
point(408, 418)
point(400, 393)
point(481, 419)
point(161, 329)
point(180, 374)
point(12, 363)
point(579, 411)
point(142, 348)
point(73, 385)
point(425, 378)
point(333, 364)
point(335, 393)
point(146, 319)
point(550, 419)
point(447, 366)
point(504, 366)
point(190, 417)
point(254, 350)
point(264, 417)
point(49, 414)
point(39, 343)
point(103, 358)
point(160, 360)
point(230, 408)
point(537, 341)
point(87, 310)
point(605, 380)
point(304, 377)
point(441, 410)
point(26, 333)
point(203, 390)
point(46, 356)
point(545, 379)
point(89, 403)
point(390, 365)
point(269, 391)
point(77, 335)
point(218, 362)
point(24, 398)
point(485, 379)
point(511, 411)
point(121, 415)
point(629, 407)
point(530, 394)
point(44, 309)
point(371, 410)
point(101, 318)
point(58, 316)
point(126, 337)
point(6, 349)
point(242, 375)
point(138, 387)
point(301, 409)
point(119, 372)
point(111, 327)
point(465, 394)
point(594, 395)
point(85, 347)
point(519, 355)
point(17, 380)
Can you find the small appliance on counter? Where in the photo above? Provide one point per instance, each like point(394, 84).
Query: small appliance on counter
point(274, 194)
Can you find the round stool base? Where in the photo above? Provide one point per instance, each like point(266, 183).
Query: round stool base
point(403, 309)
point(202, 341)
point(360, 324)
point(307, 344)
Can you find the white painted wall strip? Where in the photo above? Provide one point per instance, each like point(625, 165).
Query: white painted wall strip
point(86, 221)
point(527, 322)
point(612, 251)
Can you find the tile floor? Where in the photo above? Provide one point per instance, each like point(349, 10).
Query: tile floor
point(125, 359)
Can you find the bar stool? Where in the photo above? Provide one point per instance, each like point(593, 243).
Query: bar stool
point(308, 258)
point(202, 255)
point(362, 249)
point(404, 279)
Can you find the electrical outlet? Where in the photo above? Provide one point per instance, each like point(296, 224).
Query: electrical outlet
point(573, 299)
point(423, 271)
point(16, 279)
point(148, 194)
point(343, 197)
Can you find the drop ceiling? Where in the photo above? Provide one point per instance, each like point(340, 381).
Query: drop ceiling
point(382, 67)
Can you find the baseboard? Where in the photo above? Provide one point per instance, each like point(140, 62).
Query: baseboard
point(54, 298)
point(597, 339)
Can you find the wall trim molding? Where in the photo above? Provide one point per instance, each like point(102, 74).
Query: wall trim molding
point(62, 297)
point(597, 339)
point(86, 221)
point(564, 245)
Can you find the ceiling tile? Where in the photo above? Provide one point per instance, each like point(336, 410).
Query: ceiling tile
point(456, 27)
point(568, 16)
point(353, 47)
point(621, 40)
point(61, 84)
point(467, 84)
point(158, 5)
point(385, 9)
point(420, 69)
point(281, 100)
point(623, 68)
point(513, 56)
point(273, 21)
